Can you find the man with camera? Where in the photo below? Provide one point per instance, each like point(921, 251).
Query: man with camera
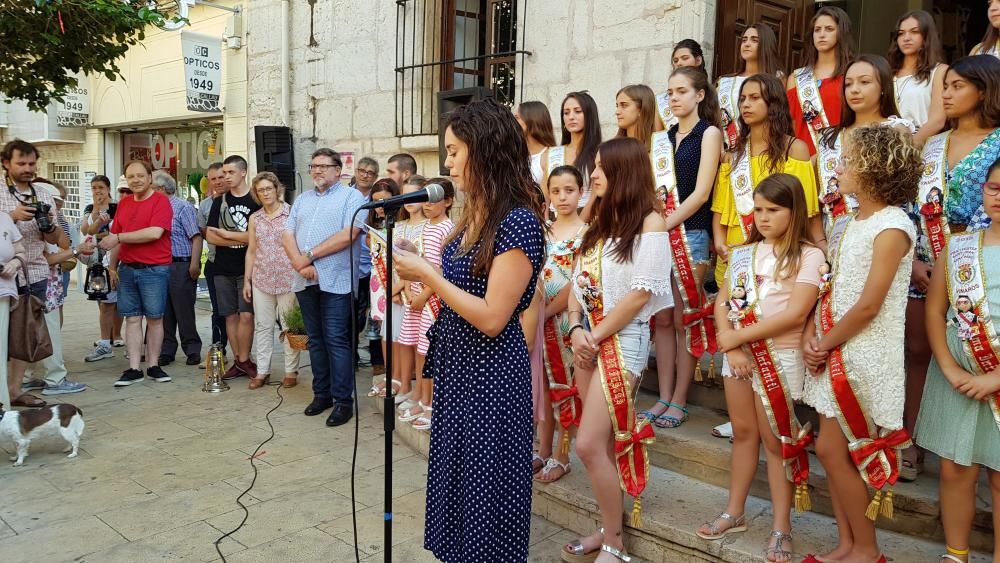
point(33, 211)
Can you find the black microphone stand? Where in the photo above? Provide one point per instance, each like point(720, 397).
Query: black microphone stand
point(389, 407)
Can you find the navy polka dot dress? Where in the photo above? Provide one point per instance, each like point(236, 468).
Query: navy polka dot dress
point(479, 471)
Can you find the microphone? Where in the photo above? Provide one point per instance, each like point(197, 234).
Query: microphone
point(432, 193)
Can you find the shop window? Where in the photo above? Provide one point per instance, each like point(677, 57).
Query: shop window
point(68, 174)
point(444, 45)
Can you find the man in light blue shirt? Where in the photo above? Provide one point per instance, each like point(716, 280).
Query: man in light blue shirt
point(317, 238)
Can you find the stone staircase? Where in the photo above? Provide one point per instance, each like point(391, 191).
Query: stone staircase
point(688, 485)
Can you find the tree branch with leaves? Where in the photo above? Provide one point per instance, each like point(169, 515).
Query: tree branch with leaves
point(44, 43)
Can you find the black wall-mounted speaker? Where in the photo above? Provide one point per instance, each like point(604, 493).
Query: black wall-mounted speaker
point(276, 154)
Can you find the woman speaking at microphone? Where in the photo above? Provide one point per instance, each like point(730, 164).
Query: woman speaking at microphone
point(479, 473)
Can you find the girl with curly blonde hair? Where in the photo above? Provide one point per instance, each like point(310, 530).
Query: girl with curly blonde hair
point(854, 351)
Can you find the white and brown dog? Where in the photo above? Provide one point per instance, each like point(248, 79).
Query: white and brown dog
point(24, 426)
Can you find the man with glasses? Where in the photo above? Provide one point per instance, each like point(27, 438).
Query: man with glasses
point(367, 173)
point(317, 237)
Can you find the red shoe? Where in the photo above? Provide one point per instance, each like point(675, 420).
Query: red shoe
point(249, 368)
point(881, 559)
point(811, 559)
point(234, 371)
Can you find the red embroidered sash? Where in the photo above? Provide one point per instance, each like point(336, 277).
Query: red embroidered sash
point(967, 281)
point(932, 190)
point(562, 388)
point(631, 434)
point(699, 330)
point(813, 112)
point(777, 398)
point(877, 454)
point(741, 183)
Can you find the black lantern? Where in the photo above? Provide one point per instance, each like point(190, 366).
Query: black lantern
point(97, 284)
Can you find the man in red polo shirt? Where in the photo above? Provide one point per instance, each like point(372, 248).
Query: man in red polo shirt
point(140, 265)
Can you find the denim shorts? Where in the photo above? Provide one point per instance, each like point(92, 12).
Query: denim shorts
point(142, 292)
point(699, 243)
point(634, 339)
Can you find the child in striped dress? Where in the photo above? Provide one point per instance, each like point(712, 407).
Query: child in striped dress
point(411, 228)
point(435, 233)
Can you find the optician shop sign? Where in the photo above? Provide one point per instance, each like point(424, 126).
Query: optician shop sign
point(202, 70)
point(74, 109)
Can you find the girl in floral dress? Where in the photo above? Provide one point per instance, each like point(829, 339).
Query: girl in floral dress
point(565, 186)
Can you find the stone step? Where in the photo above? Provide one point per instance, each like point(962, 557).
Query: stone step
point(689, 485)
point(674, 505)
point(691, 450)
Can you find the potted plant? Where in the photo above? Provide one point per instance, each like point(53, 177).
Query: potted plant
point(295, 329)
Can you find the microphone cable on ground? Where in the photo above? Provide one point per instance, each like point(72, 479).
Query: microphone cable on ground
point(246, 512)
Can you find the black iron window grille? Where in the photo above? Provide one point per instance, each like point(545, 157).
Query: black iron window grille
point(446, 45)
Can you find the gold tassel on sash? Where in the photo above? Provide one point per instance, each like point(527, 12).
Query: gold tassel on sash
point(637, 513)
point(564, 443)
point(697, 371)
point(887, 504)
point(711, 367)
point(803, 503)
point(872, 512)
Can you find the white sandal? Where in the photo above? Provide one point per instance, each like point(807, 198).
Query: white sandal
point(950, 557)
point(408, 415)
point(423, 422)
point(551, 465)
point(379, 388)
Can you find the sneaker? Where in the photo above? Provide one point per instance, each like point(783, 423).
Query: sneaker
point(118, 343)
point(157, 374)
point(129, 377)
point(99, 353)
point(33, 385)
point(64, 387)
point(193, 359)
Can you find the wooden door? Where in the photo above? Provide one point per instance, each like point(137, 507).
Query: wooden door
point(788, 18)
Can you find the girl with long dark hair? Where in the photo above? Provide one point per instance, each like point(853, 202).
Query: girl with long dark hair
point(868, 99)
point(534, 119)
point(758, 54)
point(814, 91)
point(581, 135)
point(766, 145)
point(685, 162)
point(620, 281)
point(479, 467)
point(916, 60)
point(990, 45)
point(950, 199)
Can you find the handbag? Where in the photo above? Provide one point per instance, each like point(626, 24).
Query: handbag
point(28, 336)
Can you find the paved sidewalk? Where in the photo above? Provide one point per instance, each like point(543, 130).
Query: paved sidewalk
point(161, 465)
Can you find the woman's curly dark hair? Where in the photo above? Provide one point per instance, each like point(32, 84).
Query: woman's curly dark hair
point(887, 163)
point(498, 174)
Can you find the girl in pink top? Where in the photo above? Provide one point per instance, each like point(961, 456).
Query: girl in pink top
point(768, 304)
point(434, 236)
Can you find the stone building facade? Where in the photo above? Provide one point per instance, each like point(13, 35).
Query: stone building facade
point(342, 58)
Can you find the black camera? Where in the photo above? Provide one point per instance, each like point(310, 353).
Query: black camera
point(42, 211)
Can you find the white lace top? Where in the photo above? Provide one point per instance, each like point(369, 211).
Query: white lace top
point(874, 357)
point(649, 270)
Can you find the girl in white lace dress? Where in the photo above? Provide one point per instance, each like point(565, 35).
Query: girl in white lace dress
point(632, 282)
point(870, 253)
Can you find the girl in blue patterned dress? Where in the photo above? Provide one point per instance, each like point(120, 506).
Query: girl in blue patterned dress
point(479, 469)
point(972, 103)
